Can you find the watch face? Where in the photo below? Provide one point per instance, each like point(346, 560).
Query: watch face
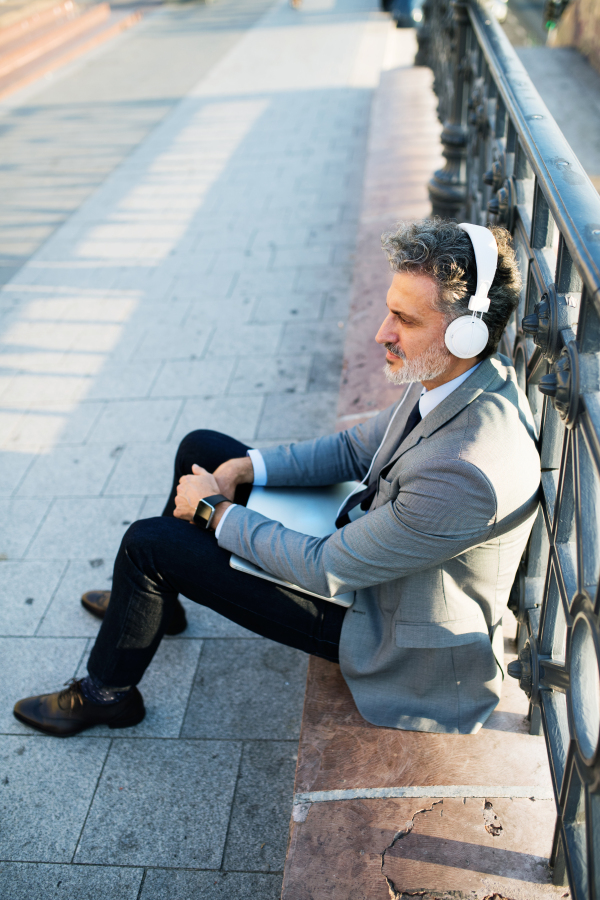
point(203, 514)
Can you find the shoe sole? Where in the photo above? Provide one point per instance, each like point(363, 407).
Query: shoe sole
point(119, 722)
point(97, 613)
point(127, 721)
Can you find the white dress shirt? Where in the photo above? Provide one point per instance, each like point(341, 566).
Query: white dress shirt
point(427, 403)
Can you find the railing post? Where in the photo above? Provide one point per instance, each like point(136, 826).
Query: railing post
point(448, 187)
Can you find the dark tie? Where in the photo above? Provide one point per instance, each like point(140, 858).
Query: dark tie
point(365, 497)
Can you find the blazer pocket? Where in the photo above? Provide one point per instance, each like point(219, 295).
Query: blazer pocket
point(435, 635)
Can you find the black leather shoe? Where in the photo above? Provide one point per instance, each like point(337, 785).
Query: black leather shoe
point(97, 602)
point(67, 712)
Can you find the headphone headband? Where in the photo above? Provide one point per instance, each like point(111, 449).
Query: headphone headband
point(486, 261)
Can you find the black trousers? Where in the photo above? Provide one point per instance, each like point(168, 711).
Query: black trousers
point(162, 557)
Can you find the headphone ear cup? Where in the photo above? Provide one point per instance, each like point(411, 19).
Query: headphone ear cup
point(466, 337)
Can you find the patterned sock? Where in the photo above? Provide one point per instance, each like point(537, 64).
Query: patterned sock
point(94, 691)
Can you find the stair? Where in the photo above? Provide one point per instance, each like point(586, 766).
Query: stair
point(41, 36)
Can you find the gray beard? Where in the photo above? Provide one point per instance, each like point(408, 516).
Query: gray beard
point(432, 363)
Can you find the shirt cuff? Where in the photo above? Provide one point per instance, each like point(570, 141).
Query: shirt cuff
point(258, 464)
point(223, 517)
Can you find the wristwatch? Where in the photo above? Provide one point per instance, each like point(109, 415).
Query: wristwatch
point(206, 510)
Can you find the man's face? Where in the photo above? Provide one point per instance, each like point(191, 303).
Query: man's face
point(413, 332)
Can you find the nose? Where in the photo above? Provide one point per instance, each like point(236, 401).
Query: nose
point(387, 333)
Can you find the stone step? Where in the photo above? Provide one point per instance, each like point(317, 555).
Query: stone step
point(57, 42)
point(33, 18)
point(18, 11)
point(28, 48)
point(381, 814)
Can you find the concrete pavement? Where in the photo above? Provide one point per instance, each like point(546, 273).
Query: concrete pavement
point(188, 205)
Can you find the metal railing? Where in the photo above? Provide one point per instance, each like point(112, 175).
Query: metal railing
point(507, 162)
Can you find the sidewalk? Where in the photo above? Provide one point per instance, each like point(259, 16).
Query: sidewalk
point(202, 280)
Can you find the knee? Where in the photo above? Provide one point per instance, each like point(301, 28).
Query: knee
point(146, 545)
point(196, 447)
point(141, 540)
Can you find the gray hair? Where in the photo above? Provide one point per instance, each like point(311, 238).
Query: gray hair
point(440, 249)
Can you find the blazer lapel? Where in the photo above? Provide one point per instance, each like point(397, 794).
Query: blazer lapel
point(475, 384)
point(391, 442)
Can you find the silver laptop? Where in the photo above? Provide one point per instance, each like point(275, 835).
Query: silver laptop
point(305, 509)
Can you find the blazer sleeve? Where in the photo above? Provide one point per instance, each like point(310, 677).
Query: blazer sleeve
point(440, 512)
point(345, 456)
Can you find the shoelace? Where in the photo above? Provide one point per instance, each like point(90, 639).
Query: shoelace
point(72, 690)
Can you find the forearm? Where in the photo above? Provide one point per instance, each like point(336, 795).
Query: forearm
point(420, 528)
point(375, 549)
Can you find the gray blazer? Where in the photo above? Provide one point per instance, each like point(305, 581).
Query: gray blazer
point(433, 561)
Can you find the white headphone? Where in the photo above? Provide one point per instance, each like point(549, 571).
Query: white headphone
point(467, 336)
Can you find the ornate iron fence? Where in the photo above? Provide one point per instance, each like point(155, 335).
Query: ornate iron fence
point(507, 162)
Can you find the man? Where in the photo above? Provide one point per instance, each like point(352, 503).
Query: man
point(452, 475)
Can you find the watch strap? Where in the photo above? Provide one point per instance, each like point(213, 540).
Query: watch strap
point(211, 502)
point(214, 499)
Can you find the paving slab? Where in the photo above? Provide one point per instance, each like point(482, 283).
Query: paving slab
point(178, 885)
point(136, 420)
point(152, 506)
point(285, 306)
point(278, 375)
point(36, 881)
point(178, 340)
point(181, 823)
point(205, 623)
point(257, 836)
point(124, 380)
point(65, 616)
point(192, 378)
point(26, 589)
point(299, 416)
point(41, 831)
point(237, 416)
point(143, 469)
point(247, 689)
point(325, 372)
point(20, 518)
point(13, 466)
point(30, 429)
point(254, 340)
point(318, 337)
point(70, 472)
point(91, 528)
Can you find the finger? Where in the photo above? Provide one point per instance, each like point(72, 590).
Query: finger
point(198, 470)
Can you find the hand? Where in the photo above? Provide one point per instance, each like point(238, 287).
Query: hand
point(234, 472)
point(191, 490)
